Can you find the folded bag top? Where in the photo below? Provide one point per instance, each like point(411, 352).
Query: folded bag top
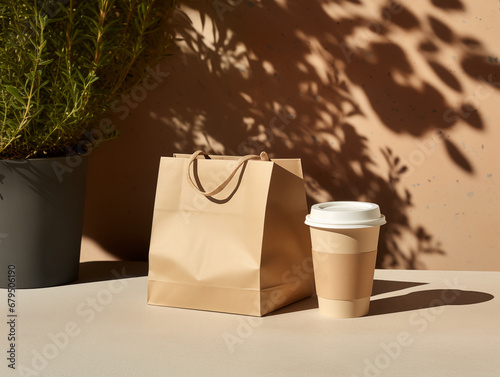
point(228, 234)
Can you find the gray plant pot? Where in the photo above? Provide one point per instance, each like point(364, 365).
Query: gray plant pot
point(41, 218)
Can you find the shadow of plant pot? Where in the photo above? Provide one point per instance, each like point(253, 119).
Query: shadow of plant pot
point(41, 218)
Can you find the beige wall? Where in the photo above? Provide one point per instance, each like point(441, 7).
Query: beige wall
point(396, 104)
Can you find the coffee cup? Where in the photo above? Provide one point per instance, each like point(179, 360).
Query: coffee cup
point(344, 238)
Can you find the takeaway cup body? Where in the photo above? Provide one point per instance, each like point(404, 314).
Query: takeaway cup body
point(344, 238)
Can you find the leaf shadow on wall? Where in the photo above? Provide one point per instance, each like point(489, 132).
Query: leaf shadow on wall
point(284, 78)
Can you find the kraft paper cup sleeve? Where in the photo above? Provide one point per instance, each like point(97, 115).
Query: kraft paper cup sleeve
point(344, 276)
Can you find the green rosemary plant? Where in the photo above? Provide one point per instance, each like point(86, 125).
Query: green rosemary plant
point(62, 64)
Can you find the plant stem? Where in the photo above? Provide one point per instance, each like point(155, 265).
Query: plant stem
point(25, 118)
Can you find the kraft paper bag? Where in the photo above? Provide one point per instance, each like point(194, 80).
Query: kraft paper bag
point(228, 234)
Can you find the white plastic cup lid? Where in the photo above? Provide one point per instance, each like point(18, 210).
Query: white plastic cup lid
point(342, 215)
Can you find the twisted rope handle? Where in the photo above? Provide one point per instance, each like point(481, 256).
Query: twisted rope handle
point(263, 157)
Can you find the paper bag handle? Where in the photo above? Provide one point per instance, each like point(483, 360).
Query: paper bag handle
point(263, 157)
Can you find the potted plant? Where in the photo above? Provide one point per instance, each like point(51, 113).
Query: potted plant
point(62, 64)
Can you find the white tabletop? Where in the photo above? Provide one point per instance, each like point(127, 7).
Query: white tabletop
point(421, 323)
